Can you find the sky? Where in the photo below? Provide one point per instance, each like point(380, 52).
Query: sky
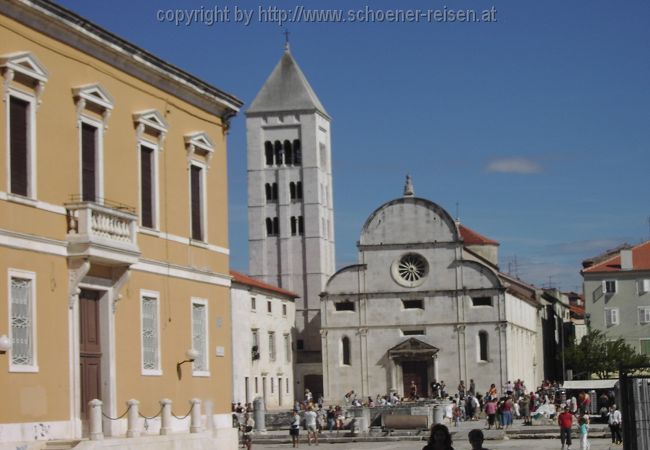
point(531, 126)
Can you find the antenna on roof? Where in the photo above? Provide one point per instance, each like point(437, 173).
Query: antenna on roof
point(286, 40)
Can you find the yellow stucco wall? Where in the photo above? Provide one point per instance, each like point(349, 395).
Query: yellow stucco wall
point(45, 395)
point(42, 395)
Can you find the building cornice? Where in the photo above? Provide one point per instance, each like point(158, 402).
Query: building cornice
point(79, 33)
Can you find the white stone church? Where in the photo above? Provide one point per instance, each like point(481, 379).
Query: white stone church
point(426, 300)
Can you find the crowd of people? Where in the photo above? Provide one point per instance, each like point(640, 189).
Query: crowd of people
point(498, 407)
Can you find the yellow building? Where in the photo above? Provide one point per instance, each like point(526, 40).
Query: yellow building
point(114, 257)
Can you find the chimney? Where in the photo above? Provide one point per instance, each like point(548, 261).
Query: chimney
point(626, 259)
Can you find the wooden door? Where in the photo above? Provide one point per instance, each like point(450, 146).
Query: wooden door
point(415, 371)
point(90, 353)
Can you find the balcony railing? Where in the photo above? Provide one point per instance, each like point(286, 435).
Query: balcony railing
point(105, 231)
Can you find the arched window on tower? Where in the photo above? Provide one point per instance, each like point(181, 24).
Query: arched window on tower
point(294, 228)
point(276, 226)
point(299, 190)
point(269, 192)
point(278, 153)
point(482, 346)
point(297, 152)
point(345, 351)
point(292, 190)
point(268, 153)
point(269, 226)
point(275, 192)
point(288, 153)
point(301, 226)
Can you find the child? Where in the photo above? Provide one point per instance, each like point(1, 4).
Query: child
point(476, 439)
point(584, 430)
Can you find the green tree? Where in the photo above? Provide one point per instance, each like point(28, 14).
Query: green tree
point(596, 354)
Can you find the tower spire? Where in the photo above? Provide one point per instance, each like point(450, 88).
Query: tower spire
point(408, 187)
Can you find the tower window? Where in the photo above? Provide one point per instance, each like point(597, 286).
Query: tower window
point(301, 226)
point(272, 226)
point(278, 153)
point(297, 153)
point(295, 190)
point(297, 226)
point(271, 190)
point(268, 153)
point(294, 227)
point(288, 153)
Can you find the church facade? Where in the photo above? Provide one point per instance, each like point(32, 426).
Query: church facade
point(425, 302)
point(290, 208)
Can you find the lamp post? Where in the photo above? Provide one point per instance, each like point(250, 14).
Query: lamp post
point(191, 355)
point(5, 344)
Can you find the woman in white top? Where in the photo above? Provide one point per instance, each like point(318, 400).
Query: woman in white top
point(294, 430)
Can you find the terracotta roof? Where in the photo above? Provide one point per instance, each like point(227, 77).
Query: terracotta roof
point(471, 237)
point(640, 260)
point(577, 311)
point(240, 278)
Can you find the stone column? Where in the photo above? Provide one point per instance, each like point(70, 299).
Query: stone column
point(195, 424)
point(96, 433)
point(165, 416)
point(132, 418)
point(259, 415)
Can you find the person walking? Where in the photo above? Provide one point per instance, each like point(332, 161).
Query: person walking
point(565, 421)
point(294, 430)
point(614, 421)
point(439, 439)
point(584, 431)
point(491, 411)
point(310, 424)
point(247, 431)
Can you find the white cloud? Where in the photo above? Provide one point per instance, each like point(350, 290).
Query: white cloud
point(514, 165)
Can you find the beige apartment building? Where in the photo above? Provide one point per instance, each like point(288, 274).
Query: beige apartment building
point(114, 259)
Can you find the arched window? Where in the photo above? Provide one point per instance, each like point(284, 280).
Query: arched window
point(278, 152)
point(268, 153)
point(301, 226)
point(293, 226)
point(297, 152)
point(276, 226)
point(275, 191)
point(292, 190)
point(482, 346)
point(269, 192)
point(299, 190)
point(345, 351)
point(269, 227)
point(288, 153)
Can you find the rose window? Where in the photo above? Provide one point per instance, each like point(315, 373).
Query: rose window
point(410, 270)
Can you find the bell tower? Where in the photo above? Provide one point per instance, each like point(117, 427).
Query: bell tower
point(290, 210)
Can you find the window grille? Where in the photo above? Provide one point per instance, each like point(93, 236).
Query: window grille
point(199, 336)
point(22, 349)
point(150, 357)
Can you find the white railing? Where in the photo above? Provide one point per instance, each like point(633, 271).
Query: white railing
point(91, 224)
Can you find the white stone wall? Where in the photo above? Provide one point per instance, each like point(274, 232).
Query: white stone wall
point(269, 373)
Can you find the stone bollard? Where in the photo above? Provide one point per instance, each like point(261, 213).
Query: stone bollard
point(195, 423)
point(132, 418)
point(166, 416)
point(96, 433)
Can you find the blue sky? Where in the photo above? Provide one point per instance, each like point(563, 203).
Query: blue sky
point(537, 124)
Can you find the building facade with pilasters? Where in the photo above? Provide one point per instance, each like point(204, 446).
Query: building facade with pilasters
point(114, 258)
point(425, 302)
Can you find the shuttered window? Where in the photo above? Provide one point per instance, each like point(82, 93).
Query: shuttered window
point(147, 192)
point(88, 162)
point(19, 146)
point(611, 317)
point(196, 200)
point(199, 336)
point(644, 314)
point(150, 334)
point(22, 322)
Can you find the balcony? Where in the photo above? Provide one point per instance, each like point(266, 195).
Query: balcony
point(105, 232)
